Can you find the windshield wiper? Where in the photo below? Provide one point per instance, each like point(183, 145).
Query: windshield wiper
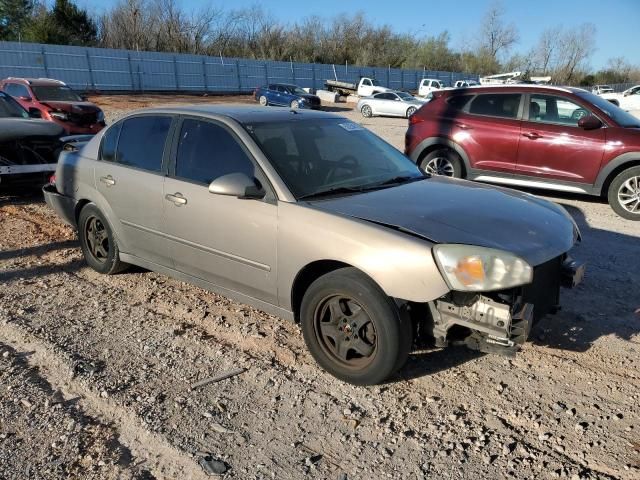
point(331, 191)
point(395, 181)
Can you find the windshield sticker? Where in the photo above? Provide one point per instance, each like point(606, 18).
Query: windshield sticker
point(351, 127)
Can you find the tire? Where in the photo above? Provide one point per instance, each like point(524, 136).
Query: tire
point(263, 101)
point(624, 194)
point(411, 111)
point(98, 242)
point(378, 340)
point(366, 111)
point(442, 161)
point(294, 105)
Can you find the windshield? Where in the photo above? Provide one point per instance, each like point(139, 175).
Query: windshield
point(317, 156)
point(55, 93)
point(404, 96)
point(10, 108)
point(297, 90)
point(622, 118)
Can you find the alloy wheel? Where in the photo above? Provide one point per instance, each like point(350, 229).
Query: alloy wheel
point(263, 101)
point(366, 111)
point(345, 331)
point(97, 239)
point(440, 166)
point(629, 195)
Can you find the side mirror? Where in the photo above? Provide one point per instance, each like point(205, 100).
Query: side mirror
point(33, 113)
point(237, 185)
point(590, 122)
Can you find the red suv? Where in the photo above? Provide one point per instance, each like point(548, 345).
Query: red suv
point(53, 100)
point(557, 138)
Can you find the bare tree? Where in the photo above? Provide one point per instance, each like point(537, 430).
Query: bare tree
point(497, 37)
point(575, 48)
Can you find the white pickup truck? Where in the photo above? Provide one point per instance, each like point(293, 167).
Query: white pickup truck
point(364, 88)
point(627, 100)
point(428, 85)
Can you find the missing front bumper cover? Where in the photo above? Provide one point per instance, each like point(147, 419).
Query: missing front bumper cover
point(495, 327)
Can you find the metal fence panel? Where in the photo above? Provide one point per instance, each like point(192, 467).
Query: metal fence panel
point(108, 69)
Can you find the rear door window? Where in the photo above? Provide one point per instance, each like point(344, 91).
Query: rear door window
point(142, 141)
point(207, 151)
point(503, 105)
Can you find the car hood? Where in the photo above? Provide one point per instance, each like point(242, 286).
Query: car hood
point(72, 107)
point(444, 210)
point(21, 128)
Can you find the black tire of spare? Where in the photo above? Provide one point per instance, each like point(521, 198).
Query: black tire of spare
point(112, 263)
point(394, 333)
point(614, 187)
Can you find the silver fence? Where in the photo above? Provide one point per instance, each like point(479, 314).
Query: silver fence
point(104, 69)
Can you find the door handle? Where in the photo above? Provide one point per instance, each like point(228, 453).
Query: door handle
point(177, 199)
point(109, 181)
point(532, 135)
point(463, 126)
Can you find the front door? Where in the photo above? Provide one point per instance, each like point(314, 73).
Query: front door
point(553, 146)
point(228, 241)
point(129, 177)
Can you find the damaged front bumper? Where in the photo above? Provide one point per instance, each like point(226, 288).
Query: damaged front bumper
point(500, 322)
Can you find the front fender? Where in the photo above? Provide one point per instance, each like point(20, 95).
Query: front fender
point(402, 265)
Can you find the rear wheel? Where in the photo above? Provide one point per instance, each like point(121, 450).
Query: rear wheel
point(98, 242)
point(353, 329)
point(442, 161)
point(366, 111)
point(263, 101)
point(624, 194)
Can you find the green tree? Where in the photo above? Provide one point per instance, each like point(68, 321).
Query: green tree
point(64, 24)
point(14, 16)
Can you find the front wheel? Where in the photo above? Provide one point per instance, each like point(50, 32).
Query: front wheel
point(443, 161)
point(294, 104)
point(624, 194)
point(97, 241)
point(411, 111)
point(353, 329)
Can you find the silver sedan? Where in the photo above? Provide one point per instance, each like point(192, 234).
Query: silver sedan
point(394, 104)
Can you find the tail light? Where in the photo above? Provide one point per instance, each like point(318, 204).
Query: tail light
point(52, 179)
point(415, 118)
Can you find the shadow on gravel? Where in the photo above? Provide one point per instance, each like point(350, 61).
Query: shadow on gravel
point(428, 362)
point(72, 407)
point(38, 249)
point(337, 109)
point(605, 302)
point(40, 270)
point(14, 195)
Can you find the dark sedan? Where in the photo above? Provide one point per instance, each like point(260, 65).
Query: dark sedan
point(285, 95)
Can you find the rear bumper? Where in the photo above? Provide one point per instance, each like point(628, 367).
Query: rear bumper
point(65, 207)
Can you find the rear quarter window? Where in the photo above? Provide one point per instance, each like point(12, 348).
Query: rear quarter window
point(503, 105)
point(458, 102)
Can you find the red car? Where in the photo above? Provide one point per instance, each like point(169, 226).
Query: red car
point(556, 138)
point(53, 100)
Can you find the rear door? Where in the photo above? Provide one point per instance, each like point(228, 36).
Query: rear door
point(488, 129)
point(552, 145)
point(130, 177)
point(228, 241)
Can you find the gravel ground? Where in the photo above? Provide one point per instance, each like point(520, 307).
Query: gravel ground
point(96, 374)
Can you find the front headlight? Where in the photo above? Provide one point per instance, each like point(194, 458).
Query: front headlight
point(480, 269)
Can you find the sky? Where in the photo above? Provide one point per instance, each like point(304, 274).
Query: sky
point(616, 21)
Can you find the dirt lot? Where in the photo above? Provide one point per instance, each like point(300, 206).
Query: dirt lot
point(96, 374)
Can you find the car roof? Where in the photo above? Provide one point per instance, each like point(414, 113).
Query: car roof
point(35, 81)
point(242, 113)
point(516, 88)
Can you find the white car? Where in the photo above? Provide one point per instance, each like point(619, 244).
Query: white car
point(627, 100)
point(428, 85)
point(465, 83)
point(600, 89)
point(393, 104)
